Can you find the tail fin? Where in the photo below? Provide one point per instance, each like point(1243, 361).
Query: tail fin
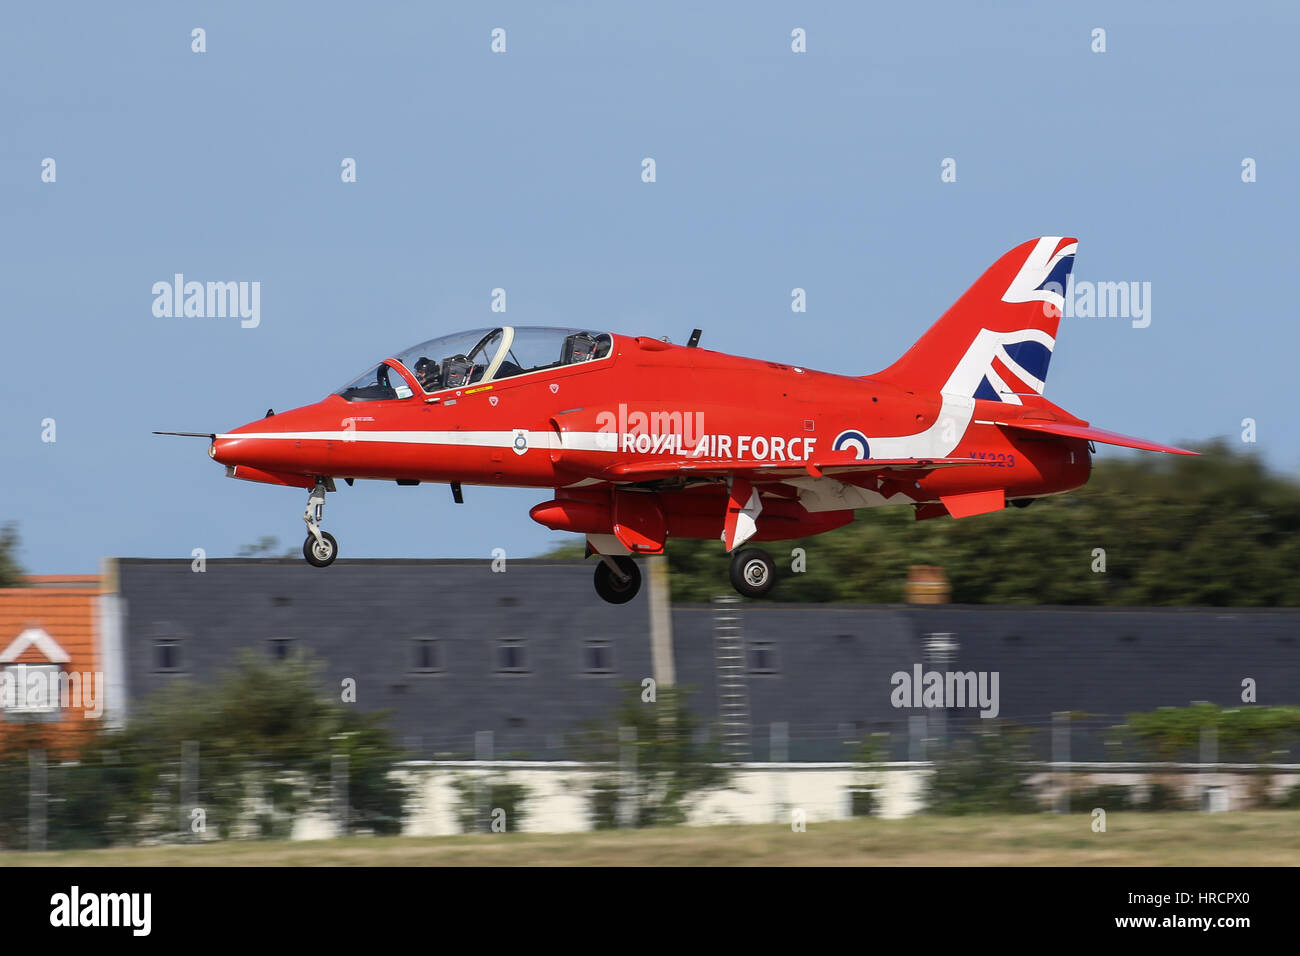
point(997, 339)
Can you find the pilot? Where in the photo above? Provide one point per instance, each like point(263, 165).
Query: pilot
point(426, 373)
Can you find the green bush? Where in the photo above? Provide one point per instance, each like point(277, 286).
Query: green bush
point(478, 800)
point(672, 769)
point(263, 730)
point(984, 772)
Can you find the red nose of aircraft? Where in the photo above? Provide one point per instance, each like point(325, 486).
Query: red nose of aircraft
point(285, 443)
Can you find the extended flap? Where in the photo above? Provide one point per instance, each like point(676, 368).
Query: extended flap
point(639, 522)
point(975, 503)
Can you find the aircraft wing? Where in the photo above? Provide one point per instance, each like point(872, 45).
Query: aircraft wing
point(1092, 434)
point(840, 466)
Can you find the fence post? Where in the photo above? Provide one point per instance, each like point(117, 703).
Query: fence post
point(189, 784)
point(1060, 756)
point(37, 800)
point(482, 795)
point(627, 776)
point(916, 738)
point(1209, 759)
point(339, 793)
point(779, 753)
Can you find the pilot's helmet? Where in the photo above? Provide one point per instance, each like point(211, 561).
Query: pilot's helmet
point(423, 366)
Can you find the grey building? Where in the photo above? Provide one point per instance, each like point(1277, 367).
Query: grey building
point(452, 649)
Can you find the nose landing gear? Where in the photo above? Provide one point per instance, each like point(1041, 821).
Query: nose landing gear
point(320, 549)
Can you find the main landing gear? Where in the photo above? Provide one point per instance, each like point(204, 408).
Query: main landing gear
point(752, 572)
point(320, 549)
point(618, 578)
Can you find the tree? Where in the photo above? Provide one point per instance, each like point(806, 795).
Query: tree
point(668, 767)
point(488, 802)
point(1249, 734)
point(263, 729)
point(11, 574)
point(267, 546)
point(983, 772)
point(264, 734)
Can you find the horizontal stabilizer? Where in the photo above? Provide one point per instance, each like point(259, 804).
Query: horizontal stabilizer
point(1088, 433)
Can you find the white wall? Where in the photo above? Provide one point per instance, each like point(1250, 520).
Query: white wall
point(557, 798)
point(765, 792)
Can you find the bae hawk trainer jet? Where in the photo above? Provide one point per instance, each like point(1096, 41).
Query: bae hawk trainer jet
point(638, 440)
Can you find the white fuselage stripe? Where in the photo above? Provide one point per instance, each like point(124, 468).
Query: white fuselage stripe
point(571, 441)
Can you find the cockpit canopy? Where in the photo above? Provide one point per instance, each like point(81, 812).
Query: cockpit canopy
point(480, 355)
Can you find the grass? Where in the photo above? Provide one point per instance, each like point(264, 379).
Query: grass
point(1257, 838)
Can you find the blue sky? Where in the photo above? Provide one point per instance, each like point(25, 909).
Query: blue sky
point(522, 170)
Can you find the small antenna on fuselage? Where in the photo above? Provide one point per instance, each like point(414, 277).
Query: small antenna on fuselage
point(695, 339)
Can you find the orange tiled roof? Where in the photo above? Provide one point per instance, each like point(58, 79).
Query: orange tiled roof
point(66, 614)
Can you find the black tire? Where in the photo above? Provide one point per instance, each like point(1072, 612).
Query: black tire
point(318, 557)
point(609, 587)
point(753, 572)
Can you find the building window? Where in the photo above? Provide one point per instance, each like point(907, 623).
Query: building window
point(864, 801)
point(511, 656)
point(281, 648)
point(941, 648)
point(166, 654)
point(426, 655)
point(762, 657)
point(597, 657)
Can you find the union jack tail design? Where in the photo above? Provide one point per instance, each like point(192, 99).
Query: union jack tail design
point(996, 341)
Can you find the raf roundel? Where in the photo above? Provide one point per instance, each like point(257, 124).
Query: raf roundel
point(854, 441)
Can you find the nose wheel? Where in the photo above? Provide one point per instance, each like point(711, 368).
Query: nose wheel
point(753, 572)
point(320, 553)
point(320, 549)
point(618, 578)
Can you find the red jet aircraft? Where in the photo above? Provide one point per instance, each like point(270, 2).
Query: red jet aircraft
point(642, 440)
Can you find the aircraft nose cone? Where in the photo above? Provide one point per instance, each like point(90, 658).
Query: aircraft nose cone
point(222, 449)
point(245, 445)
point(284, 442)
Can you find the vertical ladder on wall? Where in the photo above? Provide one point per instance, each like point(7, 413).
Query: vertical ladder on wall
point(729, 665)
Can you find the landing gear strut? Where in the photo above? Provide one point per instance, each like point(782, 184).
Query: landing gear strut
point(752, 572)
point(320, 549)
point(618, 578)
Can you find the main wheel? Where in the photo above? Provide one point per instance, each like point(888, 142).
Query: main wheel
point(753, 572)
point(322, 553)
point(609, 587)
